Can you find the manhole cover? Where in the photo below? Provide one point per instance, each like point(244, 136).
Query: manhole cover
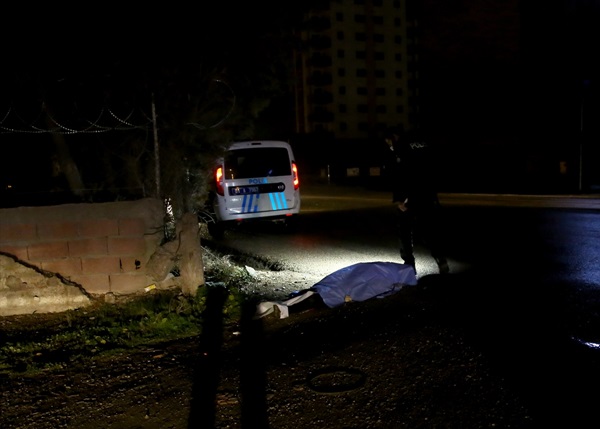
point(336, 380)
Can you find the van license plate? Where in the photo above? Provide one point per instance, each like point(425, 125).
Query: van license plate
point(244, 190)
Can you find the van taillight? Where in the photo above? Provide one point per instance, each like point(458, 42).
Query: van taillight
point(219, 181)
point(295, 176)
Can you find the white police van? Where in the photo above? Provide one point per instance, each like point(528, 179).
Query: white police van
point(255, 180)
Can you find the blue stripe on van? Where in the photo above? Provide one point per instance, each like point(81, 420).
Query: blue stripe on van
point(273, 207)
point(278, 201)
point(283, 200)
point(250, 203)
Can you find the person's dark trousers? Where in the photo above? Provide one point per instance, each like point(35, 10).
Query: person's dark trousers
point(422, 222)
point(405, 222)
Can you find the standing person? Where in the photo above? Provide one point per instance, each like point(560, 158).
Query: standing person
point(415, 196)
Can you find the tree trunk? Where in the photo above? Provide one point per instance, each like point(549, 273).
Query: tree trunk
point(191, 266)
point(64, 158)
point(67, 165)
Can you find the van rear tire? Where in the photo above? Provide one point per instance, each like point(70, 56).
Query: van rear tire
point(216, 230)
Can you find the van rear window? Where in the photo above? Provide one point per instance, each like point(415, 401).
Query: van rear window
point(257, 162)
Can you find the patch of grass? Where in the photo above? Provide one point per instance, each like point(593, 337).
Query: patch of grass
point(241, 259)
point(155, 317)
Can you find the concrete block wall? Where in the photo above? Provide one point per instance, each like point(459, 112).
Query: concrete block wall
point(103, 247)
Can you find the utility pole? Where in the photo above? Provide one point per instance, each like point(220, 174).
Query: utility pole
point(156, 150)
point(581, 148)
point(586, 84)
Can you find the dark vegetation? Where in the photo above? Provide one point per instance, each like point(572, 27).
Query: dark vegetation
point(125, 109)
point(42, 342)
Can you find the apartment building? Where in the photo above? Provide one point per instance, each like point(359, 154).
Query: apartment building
point(356, 70)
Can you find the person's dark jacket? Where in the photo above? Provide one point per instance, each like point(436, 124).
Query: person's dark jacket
point(415, 178)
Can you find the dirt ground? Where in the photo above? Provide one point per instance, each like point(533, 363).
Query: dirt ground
point(398, 362)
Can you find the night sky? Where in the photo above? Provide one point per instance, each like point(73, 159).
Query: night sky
point(499, 55)
point(515, 66)
point(511, 71)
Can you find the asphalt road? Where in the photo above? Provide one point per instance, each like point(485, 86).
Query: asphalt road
point(524, 281)
point(545, 243)
point(339, 226)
